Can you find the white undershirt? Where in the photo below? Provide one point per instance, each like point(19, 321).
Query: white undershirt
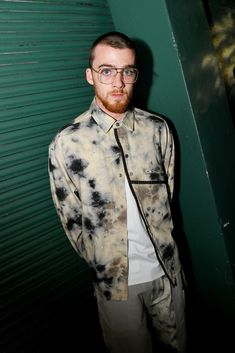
point(143, 263)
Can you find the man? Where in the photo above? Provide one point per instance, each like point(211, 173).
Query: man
point(111, 174)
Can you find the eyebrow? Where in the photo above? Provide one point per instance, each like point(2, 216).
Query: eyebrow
point(112, 66)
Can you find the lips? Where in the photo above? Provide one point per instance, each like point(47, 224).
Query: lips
point(118, 95)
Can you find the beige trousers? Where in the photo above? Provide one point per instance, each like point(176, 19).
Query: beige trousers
point(154, 312)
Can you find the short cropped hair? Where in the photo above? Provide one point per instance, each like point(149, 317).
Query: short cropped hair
point(113, 39)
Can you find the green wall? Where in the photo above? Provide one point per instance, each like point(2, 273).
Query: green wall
point(46, 297)
point(186, 86)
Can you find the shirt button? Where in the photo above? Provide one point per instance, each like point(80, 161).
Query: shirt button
point(126, 155)
point(120, 175)
point(117, 124)
point(131, 173)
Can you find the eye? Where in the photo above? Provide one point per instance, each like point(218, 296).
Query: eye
point(106, 71)
point(129, 72)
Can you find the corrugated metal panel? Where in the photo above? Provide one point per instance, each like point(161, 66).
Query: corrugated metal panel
point(43, 54)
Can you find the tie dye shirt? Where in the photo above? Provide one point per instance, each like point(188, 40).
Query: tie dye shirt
point(88, 162)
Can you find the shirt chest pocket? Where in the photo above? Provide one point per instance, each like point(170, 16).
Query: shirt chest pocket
point(155, 176)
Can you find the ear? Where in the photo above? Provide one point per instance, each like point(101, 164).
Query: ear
point(89, 76)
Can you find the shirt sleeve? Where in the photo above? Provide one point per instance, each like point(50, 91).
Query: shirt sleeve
point(168, 154)
point(65, 197)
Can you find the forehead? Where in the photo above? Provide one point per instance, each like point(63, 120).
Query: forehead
point(105, 54)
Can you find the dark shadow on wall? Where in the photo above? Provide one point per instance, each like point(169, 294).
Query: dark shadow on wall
point(143, 87)
point(75, 326)
point(145, 79)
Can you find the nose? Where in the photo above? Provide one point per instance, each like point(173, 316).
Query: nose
point(118, 80)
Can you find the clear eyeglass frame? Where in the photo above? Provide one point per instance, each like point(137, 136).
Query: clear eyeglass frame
point(106, 75)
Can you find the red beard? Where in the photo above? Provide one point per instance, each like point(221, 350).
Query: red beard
point(118, 106)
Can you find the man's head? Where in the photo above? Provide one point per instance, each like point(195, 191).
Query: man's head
point(113, 88)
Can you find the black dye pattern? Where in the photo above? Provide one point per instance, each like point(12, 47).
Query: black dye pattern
point(78, 166)
point(73, 222)
point(91, 122)
point(92, 183)
point(61, 193)
point(100, 268)
point(97, 200)
point(116, 151)
point(89, 225)
point(168, 252)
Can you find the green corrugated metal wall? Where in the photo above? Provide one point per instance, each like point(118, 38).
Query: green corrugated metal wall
point(43, 55)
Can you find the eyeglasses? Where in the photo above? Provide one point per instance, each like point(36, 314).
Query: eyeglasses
point(106, 75)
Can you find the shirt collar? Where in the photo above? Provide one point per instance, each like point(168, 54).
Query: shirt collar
point(106, 122)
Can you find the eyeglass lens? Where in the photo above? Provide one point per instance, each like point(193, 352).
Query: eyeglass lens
point(107, 75)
